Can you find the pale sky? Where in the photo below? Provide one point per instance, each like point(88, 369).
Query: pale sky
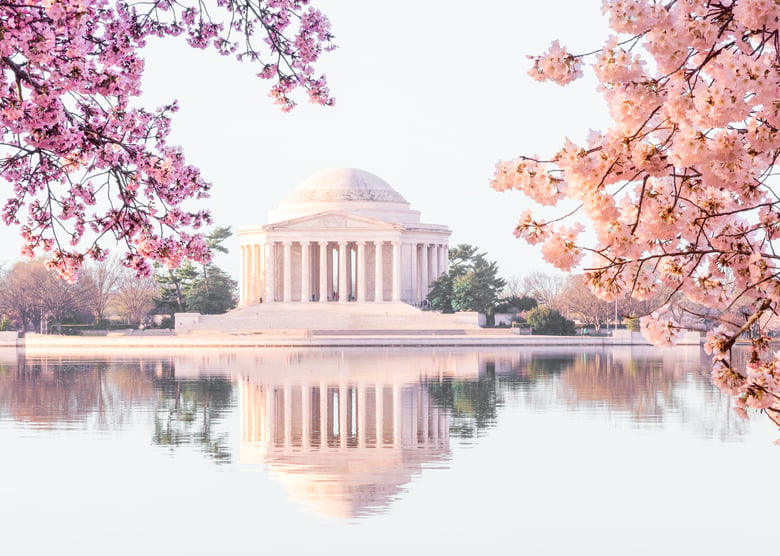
point(429, 96)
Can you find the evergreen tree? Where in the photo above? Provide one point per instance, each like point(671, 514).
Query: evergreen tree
point(472, 283)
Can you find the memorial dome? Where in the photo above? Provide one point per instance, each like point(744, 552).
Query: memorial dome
point(349, 190)
point(344, 184)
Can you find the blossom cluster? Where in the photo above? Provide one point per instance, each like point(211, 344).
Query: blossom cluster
point(85, 163)
point(679, 190)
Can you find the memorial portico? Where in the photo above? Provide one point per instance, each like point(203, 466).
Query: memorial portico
point(342, 235)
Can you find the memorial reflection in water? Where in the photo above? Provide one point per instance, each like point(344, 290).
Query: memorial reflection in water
point(345, 434)
point(345, 431)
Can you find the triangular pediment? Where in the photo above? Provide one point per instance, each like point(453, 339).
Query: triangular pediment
point(331, 220)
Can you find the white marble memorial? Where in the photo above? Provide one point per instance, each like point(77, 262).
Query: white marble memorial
point(342, 235)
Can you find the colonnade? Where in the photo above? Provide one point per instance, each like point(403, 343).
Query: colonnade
point(324, 415)
point(322, 271)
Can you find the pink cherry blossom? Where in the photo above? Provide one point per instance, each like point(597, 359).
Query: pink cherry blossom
point(679, 190)
point(86, 165)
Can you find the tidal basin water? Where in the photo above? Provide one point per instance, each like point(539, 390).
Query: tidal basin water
point(388, 451)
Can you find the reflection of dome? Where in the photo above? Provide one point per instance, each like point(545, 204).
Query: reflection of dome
point(344, 184)
point(347, 190)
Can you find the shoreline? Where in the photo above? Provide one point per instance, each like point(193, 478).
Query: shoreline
point(498, 338)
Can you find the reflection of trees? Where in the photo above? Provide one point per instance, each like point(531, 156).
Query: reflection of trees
point(473, 404)
point(187, 411)
point(110, 395)
point(652, 386)
point(641, 388)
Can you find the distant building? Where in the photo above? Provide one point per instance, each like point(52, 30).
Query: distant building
point(342, 235)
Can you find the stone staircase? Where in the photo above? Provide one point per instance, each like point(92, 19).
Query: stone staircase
point(333, 318)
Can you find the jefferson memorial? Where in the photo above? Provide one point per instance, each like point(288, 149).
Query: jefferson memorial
point(342, 235)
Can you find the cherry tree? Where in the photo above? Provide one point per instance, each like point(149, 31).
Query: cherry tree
point(680, 191)
point(85, 165)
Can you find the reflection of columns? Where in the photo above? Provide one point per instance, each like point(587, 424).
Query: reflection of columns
point(270, 271)
point(424, 271)
point(287, 290)
point(323, 272)
point(324, 413)
point(397, 271)
point(378, 280)
point(306, 415)
point(397, 415)
point(362, 418)
point(361, 271)
point(379, 396)
point(343, 277)
point(343, 413)
point(305, 272)
point(288, 428)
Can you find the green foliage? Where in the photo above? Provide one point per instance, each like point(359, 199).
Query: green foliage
point(632, 324)
point(440, 296)
point(544, 320)
point(213, 292)
point(207, 290)
point(516, 304)
point(472, 283)
point(5, 324)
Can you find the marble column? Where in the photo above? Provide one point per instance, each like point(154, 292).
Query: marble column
point(323, 272)
point(343, 277)
point(445, 259)
point(270, 270)
point(434, 263)
point(379, 283)
point(242, 291)
point(257, 269)
point(287, 291)
point(415, 298)
point(397, 275)
point(424, 271)
point(305, 272)
point(361, 271)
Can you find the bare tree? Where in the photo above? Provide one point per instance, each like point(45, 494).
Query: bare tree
point(100, 282)
point(544, 288)
point(134, 298)
point(577, 301)
point(33, 295)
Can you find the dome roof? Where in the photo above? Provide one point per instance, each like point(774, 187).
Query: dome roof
point(344, 184)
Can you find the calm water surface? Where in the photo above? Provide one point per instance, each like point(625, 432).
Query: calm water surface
point(529, 451)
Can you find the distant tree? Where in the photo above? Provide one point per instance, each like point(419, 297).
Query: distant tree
point(6, 324)
point(515, 304)
point(174, 283)
point(212, 293)
point(33, 295)
point(208, 290)
point(577, 300)
point(134, 299)
point(547, 321)
point(472, 283)
point(544, 288)
point(515, 287)
point(100, 282)
point(440, 296)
